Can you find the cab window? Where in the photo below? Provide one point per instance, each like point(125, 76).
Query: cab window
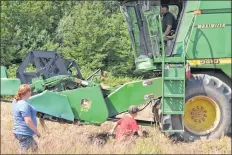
point(174, 9)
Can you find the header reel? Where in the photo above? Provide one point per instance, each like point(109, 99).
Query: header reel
point(43, 65)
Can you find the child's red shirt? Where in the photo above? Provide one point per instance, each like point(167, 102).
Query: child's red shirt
point(127, 126)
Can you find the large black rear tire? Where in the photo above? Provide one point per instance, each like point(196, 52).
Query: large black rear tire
point(218, 91)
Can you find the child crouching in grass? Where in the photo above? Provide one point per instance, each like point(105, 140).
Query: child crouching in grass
point(127, 126)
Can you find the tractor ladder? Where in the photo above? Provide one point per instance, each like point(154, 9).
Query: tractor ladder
point(173, 87)
point(173, 92)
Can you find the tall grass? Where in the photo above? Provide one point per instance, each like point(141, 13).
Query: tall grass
point(88, 139)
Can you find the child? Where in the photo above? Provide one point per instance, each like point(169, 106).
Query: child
point(127, 125)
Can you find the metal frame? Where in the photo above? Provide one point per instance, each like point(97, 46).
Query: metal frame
point(47, 64)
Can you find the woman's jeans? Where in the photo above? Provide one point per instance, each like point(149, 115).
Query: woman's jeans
point(26, 142)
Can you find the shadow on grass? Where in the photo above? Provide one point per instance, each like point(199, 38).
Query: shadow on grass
point(98, 139)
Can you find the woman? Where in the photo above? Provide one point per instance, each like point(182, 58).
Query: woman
point(25, 123)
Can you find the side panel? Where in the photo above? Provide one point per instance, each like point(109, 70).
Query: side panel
point(88, 104)
point(52, 103)
point(133, 93)
point(9, 86)
point(223, 64)
point(206, 41)
point(215, 4)
point(211, 42)
point(3, 72)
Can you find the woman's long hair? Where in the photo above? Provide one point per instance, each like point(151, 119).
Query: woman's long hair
point(22, 91)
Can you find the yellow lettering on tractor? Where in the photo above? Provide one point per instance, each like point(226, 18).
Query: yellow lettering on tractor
point(211, 26)
point(210, 61)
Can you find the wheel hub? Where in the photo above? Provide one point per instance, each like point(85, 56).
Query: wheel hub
point(198, 114)
point(202, 115)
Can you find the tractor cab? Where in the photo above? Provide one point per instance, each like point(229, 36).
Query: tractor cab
point(145, 28)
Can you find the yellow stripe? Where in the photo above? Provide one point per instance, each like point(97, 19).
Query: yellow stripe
point(210, 61)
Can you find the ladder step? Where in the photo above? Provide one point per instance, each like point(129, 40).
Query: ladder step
point(174, 95)
point(173, 112)
point(174, 78)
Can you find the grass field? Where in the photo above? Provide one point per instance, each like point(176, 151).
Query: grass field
point(88, 139)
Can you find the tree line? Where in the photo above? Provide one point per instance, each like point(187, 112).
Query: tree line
point(93, 33)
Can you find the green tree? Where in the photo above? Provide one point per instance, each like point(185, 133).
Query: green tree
point(96, 38)
point(26, 26)
point(91, 32)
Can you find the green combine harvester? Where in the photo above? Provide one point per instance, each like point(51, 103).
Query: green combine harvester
point(190, 96)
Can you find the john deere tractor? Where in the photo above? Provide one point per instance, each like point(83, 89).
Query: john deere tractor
point(189, 94)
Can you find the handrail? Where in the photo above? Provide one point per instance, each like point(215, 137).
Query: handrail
point(190, 30)
point(161, 36)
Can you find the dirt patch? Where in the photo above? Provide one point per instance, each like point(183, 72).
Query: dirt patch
point(98, 139)
point(145, 134)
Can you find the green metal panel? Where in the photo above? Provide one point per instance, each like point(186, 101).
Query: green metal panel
point(206, 43)
point(132, 93)
point(214, 5)
point(175, 71)
point(174, 86)
point(135, 29)
point(173, 105)
point(3, 72)
point(52, 103)
point(145, 64)
point(95, 109)
point(211, 42)
point(9, 86)
point(226, 68)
